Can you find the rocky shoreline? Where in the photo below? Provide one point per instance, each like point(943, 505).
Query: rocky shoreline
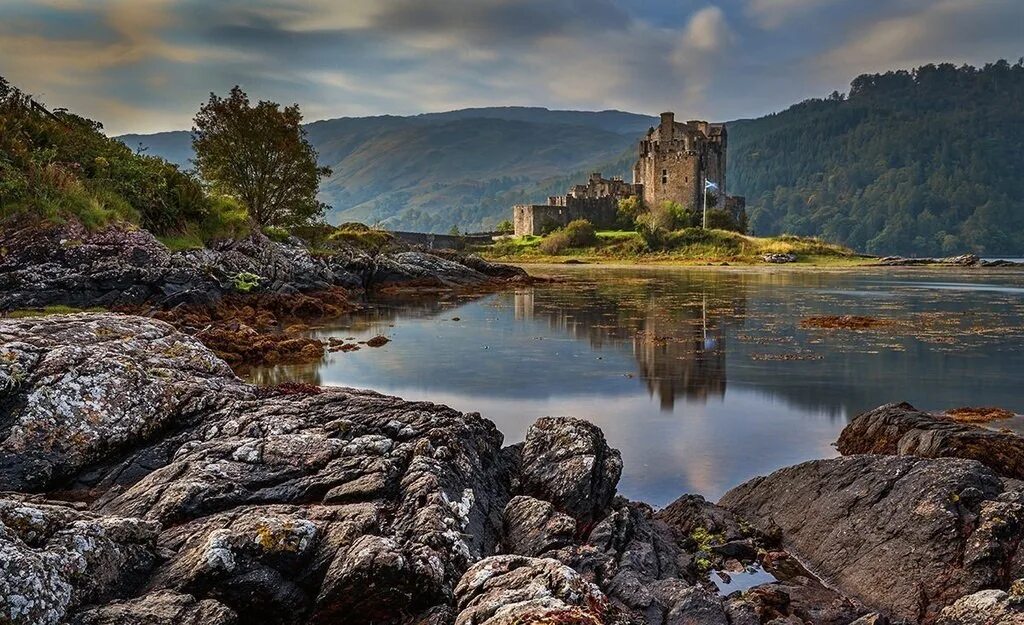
point(248, 300)
point(145, 483)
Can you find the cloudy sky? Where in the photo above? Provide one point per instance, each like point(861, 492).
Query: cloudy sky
point(146, 65)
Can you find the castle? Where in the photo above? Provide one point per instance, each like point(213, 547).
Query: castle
point(674, 159)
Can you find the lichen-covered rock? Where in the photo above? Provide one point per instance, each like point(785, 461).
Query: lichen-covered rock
point(693, 513)
point(46, 264)
point(902, 534)
point(533, 527)
point(419, 269)
point(510, 590)
point(249, 558)
point(54, 558)
point(163, 607)
point(419, 487)
point(901, 429)
point(568, 462)
point(636, 561)
point(88, 386)
point(986, 607)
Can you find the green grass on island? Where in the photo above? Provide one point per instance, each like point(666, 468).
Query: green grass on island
point(688, 246)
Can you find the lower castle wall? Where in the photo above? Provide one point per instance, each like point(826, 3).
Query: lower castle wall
point(532, 219)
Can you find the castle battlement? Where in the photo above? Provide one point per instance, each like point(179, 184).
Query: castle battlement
point(673, 161)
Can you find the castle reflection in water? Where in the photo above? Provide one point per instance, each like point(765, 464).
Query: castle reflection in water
point(679, 346)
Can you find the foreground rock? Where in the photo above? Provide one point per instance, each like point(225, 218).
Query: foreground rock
point(906, 535)
point(298, 504)
point(901, 429)
point(53, 557)
point(988, 607)
point(201, 499)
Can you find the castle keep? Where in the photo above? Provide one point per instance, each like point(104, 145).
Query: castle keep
point(673, 161)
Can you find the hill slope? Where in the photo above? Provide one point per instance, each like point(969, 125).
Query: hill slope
point(923, 162)
point(466, 168)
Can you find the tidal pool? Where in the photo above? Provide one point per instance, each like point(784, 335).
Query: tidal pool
point(703, 378)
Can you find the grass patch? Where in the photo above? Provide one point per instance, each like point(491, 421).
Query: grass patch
point(685, 246)
point(361, 236)
point(46, 311)
point(184, 241)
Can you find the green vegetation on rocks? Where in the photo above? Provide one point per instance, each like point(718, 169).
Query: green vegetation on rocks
point(685, 246)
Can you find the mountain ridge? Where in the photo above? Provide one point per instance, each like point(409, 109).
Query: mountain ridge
point(919, 162)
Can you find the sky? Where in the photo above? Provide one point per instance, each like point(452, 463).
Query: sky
point(147, 65)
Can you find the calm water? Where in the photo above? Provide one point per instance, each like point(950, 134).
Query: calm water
point(703, 378)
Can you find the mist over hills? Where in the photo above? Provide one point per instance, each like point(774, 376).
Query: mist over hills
point(925, 162)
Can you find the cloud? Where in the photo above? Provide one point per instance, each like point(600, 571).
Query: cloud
point(717, 59)
point(772, 14)
point(964, 31)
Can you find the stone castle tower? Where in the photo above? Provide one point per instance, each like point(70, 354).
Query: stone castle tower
point(675, 158)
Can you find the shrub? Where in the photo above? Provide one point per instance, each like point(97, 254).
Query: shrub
point(225, 218)
point(581, 233)
point(555, 243)
point(723, 220)
point(577, 233)
point(627, 213)
point(506, 227)
point(362, 236)
point(276, 233)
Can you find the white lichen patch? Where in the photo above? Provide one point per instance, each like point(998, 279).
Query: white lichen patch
point(217, 551)
point(369, 444)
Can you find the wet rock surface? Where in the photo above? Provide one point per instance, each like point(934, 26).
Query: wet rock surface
point(901, 429)
point(905, 535)
point(156, 487)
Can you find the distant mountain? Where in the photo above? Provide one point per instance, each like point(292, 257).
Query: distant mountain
point(466, 168)
point(174, 146)
point(923, 162)
point(926, 162)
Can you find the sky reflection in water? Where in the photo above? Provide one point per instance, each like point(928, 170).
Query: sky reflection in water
point(702, 378)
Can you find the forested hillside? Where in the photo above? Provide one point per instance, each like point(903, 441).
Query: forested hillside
point(459, 168)
point(929, 161)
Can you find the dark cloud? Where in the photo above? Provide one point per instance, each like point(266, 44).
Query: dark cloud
point(147, 65)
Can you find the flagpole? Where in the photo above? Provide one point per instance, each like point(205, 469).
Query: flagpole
point(704, 224)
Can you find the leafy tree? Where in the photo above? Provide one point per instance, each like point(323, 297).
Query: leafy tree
point(723, 220)
point(260, 155)
point(506, 227)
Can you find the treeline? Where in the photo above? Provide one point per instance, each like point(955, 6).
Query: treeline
point(254, 169)
point(922, 162)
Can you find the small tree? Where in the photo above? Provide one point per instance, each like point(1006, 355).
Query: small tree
point(628, 211)
point(506, 227)
point(260, 155)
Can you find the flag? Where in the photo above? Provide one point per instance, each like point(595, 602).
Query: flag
point(710, 185)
